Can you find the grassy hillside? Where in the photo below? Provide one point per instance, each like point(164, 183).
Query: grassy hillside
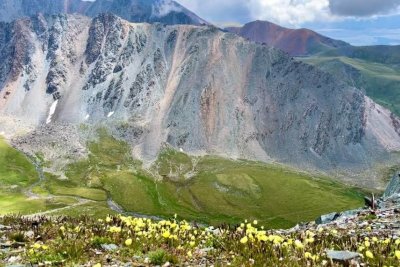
point(205, 189)
point(381, 81)
point(17, 175)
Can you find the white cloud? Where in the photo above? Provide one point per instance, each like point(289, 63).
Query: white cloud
point(361, 8)
point(164, 7)
point(290, 12)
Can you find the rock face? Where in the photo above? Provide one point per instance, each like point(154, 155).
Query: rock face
point(296, 42)
point(163, 11)
point(197, 88)
point(392, 191)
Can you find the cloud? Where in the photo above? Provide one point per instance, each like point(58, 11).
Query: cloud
point(363, 8)
point(290, 12)
point(164, 7)
point(284, 12)
point(220, 11)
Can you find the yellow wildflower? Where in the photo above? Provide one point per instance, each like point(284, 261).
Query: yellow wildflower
point(367, 244)
point(310, 240)
point(255, 222)
point(369, 254)
point(374, 239)
point(189, 254)
point(128, 242)
point(397, 254)
point(192, 243)
point(97, 265)
point(36, 246)
point(166, 234)
point(115, 229)
point(244, 240)
point(298, 244)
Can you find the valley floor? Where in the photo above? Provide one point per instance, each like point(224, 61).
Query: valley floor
point(208, 190)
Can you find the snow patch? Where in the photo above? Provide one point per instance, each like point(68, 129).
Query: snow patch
point(110, 114)
point(51, 112)
point(87, 117)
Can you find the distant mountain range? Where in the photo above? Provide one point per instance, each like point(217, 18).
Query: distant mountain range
point(296, 42)
point(163, 11)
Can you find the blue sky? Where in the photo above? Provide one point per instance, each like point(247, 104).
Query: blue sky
point(359, 22)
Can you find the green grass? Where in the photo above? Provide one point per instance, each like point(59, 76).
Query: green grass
point(210, 189)
point(17, 203)
point(17, 173)
point(381, 81)
point(205, 189)
point(59, 187)
point(91, 209)
point(15, 168)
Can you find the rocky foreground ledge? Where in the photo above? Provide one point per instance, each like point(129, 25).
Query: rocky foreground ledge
point(366, 237)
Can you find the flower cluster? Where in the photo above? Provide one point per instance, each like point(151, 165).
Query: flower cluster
point(123, 239)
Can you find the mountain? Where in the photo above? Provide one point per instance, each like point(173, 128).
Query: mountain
point(296, 42)
point(375, 69)
point(163, 11)
point(195, 88)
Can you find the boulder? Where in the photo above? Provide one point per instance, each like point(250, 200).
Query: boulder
point(327, 218)
point(393, 189)
point(342, 256)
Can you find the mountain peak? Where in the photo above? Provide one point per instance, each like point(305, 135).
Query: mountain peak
point(297, 42)
point(163, 11)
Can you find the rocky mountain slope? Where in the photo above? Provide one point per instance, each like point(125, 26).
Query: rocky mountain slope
point(196, 88)
point(163, 11)
point(297, 42)
point(376, 69)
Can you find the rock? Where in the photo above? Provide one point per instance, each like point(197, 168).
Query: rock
point(18, 244)
point(204, 251)
point(342, 256)
point(349, 213)
point(5, 245)
point(29, 234)
point(109, 247)
point(167, 264)
point(327, 218)
point(4, 227)
point(14, 259)
point(393, 189)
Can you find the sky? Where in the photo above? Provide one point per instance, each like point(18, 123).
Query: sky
point(359, 22)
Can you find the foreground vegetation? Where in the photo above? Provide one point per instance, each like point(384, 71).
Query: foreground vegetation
point(209, 190)
point(118, 240)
